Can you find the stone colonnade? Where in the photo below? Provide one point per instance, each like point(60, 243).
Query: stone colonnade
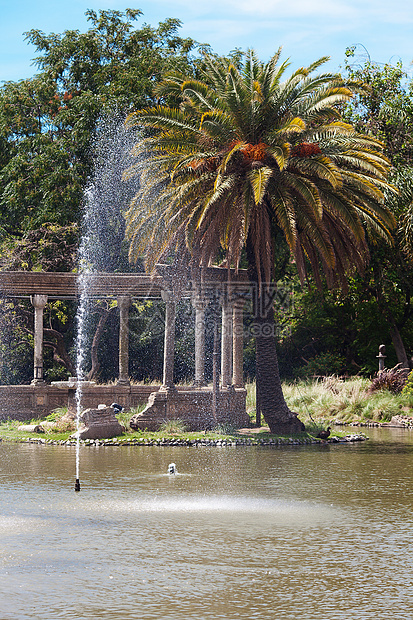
point(39, 302)
point(232, 332)
point(231, 339)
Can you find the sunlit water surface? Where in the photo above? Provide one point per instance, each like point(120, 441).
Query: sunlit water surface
point(310, 532)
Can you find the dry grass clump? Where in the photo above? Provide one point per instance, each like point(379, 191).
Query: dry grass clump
point(173, 427)
point(329, 397)
point(350, 400)
point(392, 379)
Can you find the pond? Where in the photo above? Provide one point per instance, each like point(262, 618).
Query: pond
point(298, 532)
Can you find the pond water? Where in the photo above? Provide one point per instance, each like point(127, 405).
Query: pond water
point(307, 532)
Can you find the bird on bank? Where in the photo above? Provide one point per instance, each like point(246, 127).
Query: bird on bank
point(324, 434)
point(116, 407)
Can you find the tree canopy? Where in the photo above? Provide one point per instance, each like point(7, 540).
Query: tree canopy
point(249, 152)
point(48, 122)
point(50, 128)
point(51, 146)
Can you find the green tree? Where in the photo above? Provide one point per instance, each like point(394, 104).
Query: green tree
point(51, 145)
point(48, 123)
point(248, 153)
point(385, 110)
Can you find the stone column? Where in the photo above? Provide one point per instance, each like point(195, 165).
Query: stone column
point(238, 344)
point(38, 302)
point(199, 303)
point(169, 342)
point(226, 343)
point(123, 305)
point(381, 356)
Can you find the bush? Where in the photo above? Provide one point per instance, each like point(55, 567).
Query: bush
point(408, 387)
point(391, 379)
point(323, 364)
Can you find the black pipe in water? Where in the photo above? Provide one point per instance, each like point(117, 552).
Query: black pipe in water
point(77, 484)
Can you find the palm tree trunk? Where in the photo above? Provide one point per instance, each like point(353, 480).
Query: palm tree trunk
point(275, 410)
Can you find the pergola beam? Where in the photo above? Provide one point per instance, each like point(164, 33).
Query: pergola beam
point(230, 287)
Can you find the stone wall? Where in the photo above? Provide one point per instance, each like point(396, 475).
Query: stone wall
point(24, 402)
point(194, 408)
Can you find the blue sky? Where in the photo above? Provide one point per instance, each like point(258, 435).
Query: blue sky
point(306, 29)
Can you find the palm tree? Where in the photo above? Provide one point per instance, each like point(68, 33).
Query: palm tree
point(249, 153)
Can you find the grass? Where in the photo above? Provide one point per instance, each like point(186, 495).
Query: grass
point(332, 400)
point(318, 404)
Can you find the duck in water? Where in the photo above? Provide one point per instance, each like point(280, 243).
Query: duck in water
point(172, 469)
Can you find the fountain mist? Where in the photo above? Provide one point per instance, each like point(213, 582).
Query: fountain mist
point(106, 197)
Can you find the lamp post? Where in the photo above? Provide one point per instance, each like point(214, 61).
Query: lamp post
point(381, 356)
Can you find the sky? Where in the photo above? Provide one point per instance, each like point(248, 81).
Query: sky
point(306, 29)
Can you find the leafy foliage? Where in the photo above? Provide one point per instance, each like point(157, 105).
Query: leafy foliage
point(48, 248)
point(48, 122)
point(246, 151)
point(50, 131)
point(385, 110)
point(408, 387)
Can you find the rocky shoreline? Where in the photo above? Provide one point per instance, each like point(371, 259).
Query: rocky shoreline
point(397, 421)
point(276, 441)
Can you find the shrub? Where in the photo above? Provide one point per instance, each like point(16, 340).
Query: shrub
point(408, 388)
point(324, 364)
point(56, 414)
point(391, 379)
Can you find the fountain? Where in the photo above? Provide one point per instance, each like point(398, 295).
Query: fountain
point(198, 406)
point(102, 235)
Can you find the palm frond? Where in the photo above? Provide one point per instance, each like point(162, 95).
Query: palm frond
point(259, 178)
point(250, 150)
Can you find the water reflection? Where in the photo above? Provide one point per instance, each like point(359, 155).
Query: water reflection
point(287, 533)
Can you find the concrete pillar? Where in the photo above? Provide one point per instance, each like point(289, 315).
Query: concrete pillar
point(199, 303)
point(123, 305)
point(169, 342)
point(226, 343)
point(38, 302)
point(238, 344)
